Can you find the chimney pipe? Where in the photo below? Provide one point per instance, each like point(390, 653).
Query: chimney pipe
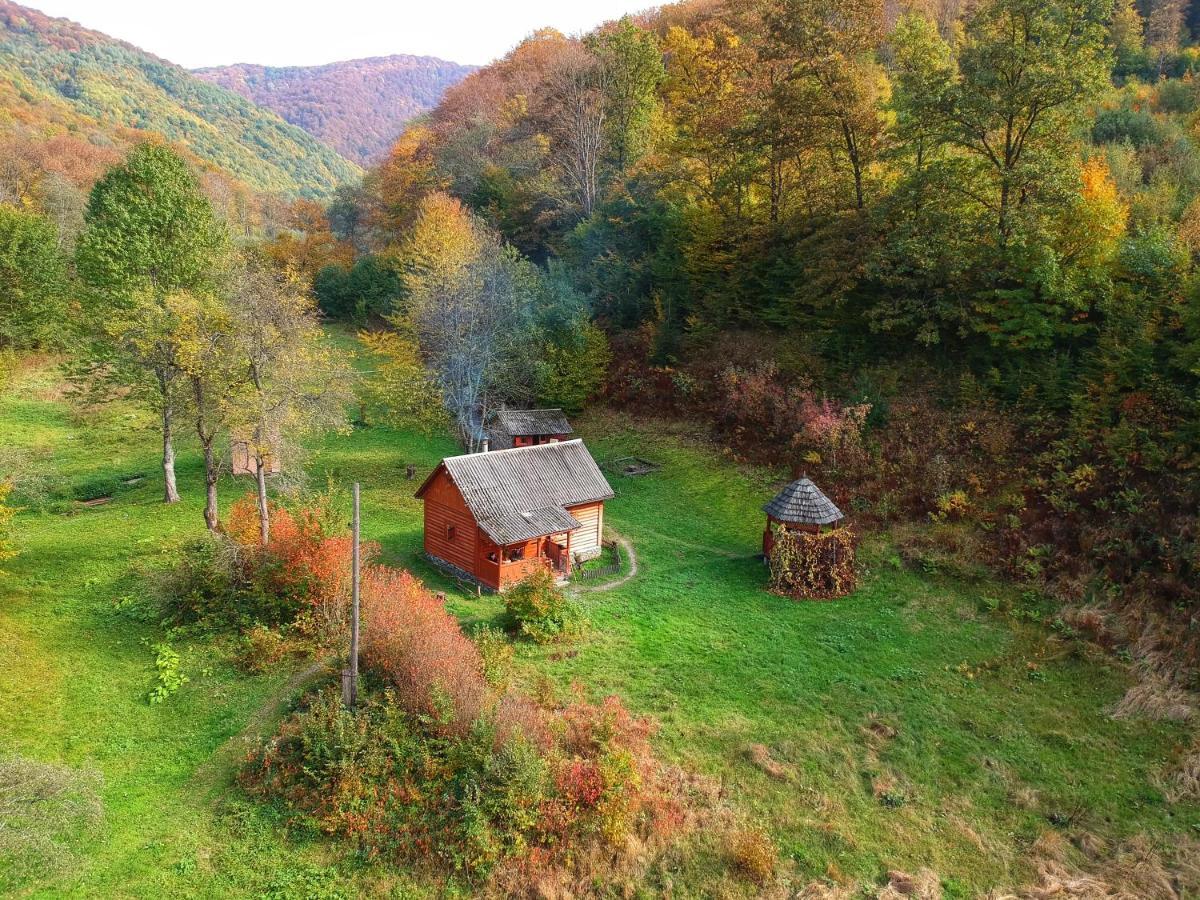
point(485, 446)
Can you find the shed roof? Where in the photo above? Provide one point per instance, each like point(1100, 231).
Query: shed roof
point(519, 494)
point(803, 503)
point(531, 421)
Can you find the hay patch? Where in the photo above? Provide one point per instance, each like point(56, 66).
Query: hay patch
point(1155, 698)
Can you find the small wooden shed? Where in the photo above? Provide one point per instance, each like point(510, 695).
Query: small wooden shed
point(801, 506)
point(497, 517)
point(510, 428)
point(242, 461)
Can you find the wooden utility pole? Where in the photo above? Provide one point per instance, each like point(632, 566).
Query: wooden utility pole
point(350, 687)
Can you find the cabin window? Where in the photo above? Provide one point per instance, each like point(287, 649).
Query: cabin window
point(451, 532)
point(514, 554)
point(492, 556)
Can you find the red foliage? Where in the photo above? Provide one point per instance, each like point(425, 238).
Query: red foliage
point(409, 636)
point(302, 561)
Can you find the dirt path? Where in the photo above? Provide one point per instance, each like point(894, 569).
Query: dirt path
point(627, 549)
point(213, 773)
point(701, 548)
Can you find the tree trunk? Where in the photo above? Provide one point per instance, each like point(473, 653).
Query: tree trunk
point(264, 514)
point(171, 493)
point(211, 518)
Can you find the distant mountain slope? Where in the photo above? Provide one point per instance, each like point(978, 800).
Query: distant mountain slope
point(56, 75)
point(357, 107)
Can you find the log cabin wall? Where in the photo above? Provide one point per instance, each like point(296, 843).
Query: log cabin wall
point(585, 541)
point(450, 530)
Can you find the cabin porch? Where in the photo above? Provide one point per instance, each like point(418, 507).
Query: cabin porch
point(500, 567)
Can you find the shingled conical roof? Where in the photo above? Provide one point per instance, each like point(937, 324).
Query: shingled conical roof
point(803, 503)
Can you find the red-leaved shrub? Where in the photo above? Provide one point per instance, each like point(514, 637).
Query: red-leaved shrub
point(409, 637)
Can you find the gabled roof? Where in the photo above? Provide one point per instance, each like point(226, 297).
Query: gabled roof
point(530, 421)
point(803, 503)
point(519, 494)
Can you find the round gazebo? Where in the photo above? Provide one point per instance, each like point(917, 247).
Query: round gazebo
point(801, 506)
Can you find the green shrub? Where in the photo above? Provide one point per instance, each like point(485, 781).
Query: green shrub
point(168, 678)
point(211, 581)
point(539, 609)
point(497, 653)
point(263, 648)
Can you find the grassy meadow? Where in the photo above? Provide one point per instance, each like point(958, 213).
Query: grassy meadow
point(907, 726)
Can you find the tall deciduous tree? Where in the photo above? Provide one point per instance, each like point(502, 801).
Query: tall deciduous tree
point(830, 46)
point(294, 382)
point(203, 341)
point(469, 304)
point(632, 62)
point(33, 280)
point(149, 233)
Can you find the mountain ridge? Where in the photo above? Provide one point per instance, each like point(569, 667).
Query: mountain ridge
point(59, 76)
point(357, 106)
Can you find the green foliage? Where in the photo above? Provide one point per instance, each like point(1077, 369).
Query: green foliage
point(33, 282)
point(168, 677)
point(497, 653)
point(369, 289)
point(633, 69)
point(149, 231)
point(575, 370)
point(1137, 126)
point(541, 611)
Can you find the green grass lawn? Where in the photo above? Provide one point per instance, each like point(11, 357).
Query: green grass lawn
point(908, 724)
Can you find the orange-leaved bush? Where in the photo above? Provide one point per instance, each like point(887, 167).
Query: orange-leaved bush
point(409, 637)
point(304, 565)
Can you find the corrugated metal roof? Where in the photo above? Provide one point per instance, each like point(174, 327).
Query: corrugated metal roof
point(519, 494)
point(531, 421)
point(509, 528)
point(803, 503)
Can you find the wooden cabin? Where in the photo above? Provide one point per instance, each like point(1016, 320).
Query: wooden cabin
point(510, 428)
point(801, 506)
point(242, 461)
point(496, 517)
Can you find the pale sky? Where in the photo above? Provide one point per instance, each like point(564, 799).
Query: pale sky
point(304, 33)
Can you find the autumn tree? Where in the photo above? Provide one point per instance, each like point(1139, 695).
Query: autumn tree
point(834, 79)
point(149, 233)
point(578, 125)
point(1164, 30)
point(632, 63)
point(294, 382)
point(202, 335)
point(469, 305)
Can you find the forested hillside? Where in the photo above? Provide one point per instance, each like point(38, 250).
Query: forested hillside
point(58, 78)
point(944, 258)
point(357, 107)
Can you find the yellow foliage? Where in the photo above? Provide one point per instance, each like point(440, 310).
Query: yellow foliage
point(401, 390)
point(1094, 225)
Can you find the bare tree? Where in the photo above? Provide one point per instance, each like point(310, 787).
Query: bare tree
point(469, 298)
point(577, 125)
point(1164, 28)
